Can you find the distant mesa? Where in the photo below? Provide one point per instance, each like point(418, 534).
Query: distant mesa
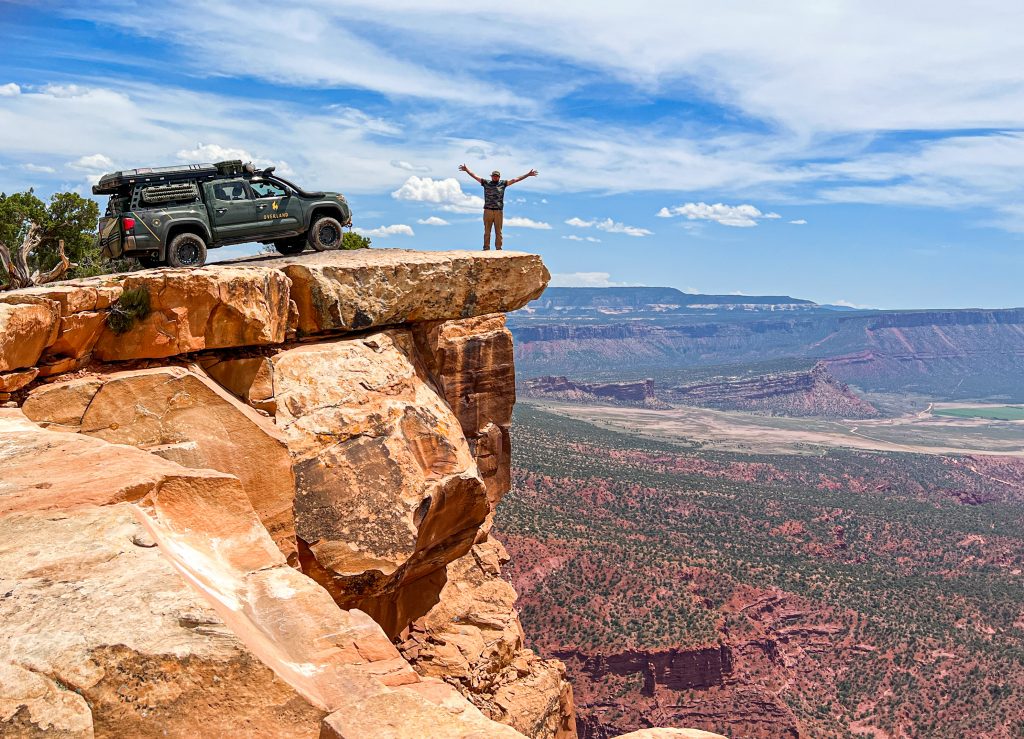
point(814, 392)
point(662, 300)
point(637, 393)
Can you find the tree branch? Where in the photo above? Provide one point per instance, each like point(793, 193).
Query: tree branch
point(16, 264)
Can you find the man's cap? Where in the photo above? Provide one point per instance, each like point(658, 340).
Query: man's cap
point(496, 172)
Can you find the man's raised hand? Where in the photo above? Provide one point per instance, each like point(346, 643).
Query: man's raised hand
point(532, 173)
point(463, 168)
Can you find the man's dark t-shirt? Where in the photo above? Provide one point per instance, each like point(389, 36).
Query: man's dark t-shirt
point(494, 194)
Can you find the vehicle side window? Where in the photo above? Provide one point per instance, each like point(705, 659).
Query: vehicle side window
point(230, 191)
point(265, 189)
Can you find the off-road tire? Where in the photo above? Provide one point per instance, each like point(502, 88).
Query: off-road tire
point(325, 234)
point(290, 246)
point(186, 250)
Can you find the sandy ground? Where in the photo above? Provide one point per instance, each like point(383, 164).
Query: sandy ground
point(917, 432)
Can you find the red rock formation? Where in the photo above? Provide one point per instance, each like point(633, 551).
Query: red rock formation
point(812, 393)
point(639, 393)
point(175, 611)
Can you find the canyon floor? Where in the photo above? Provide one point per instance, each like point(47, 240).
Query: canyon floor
point(773, 577)
point(914, 431)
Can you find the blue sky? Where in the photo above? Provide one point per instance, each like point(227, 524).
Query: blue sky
point(846, 152)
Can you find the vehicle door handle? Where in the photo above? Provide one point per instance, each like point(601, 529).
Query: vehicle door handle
point(261, 207)
point(222, 210)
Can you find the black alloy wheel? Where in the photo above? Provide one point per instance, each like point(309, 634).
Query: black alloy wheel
point(325, 234)
point(186, 250)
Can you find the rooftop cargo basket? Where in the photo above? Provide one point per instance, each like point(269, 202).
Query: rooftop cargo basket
point(111, 184)
point(116, 182)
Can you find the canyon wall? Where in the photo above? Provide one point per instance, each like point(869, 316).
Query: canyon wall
point(947, 354)
point(264, 509)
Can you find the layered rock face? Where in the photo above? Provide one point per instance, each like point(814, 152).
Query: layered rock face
point(809, 393)
point(263, 510)
point(636, 393)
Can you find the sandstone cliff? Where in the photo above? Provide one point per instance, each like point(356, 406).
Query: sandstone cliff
point(264, 509)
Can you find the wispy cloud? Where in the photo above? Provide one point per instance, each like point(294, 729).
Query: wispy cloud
point(585, 279)
point(402, 164)
point(433, 221)
point(798, 222)
point(574, 237)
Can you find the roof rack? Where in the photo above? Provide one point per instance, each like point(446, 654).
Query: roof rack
point(110, 184)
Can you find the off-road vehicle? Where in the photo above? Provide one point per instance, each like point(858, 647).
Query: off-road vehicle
point(172, 215)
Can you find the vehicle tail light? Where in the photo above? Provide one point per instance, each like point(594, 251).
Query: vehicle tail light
point(129, 224)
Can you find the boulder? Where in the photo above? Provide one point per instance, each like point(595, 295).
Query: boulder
point(386, 488)
point(25, 331)
point(12, 381)
point(210, 308)
point(182, 415)
point(78, 334)
point(357, 290)
point(473, 639)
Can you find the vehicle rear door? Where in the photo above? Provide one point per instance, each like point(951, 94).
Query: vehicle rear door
point(276, 208)
point(232, 209)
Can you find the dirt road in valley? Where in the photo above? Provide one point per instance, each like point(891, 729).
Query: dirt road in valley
point(732, 431)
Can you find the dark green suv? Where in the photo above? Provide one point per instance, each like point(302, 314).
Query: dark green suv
point(172, 215)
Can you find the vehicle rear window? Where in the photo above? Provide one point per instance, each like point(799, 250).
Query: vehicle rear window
point(230, 191)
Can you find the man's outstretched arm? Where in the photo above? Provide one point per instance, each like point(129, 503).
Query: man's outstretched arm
point(531, 173)
point(464, 168)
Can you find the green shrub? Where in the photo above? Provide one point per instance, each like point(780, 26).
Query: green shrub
point(132, 306)
point(352, 240)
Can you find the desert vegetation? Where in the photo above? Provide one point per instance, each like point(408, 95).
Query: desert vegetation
point(884, 588)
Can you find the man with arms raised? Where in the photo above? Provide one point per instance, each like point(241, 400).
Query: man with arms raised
point(494, 202)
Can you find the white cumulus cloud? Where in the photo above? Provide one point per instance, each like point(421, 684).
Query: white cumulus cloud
point(216, 153)
point(38, 168)
point(739, 216)
point(9, 90)
point(447, 193)
point(520, 222)
point(799, 222)
point(432, 221)
point(610, 226)
point(93, 163)
point(397, 229)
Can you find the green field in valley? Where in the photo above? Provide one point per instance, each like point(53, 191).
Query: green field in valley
point(994, 413)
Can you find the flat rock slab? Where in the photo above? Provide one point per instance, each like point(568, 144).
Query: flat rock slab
point(49, 470)
point(180, 415)
point(351, 291)
point(100, 635)
point(260, 302)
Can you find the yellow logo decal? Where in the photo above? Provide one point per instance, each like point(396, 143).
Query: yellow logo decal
point(274, 206)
